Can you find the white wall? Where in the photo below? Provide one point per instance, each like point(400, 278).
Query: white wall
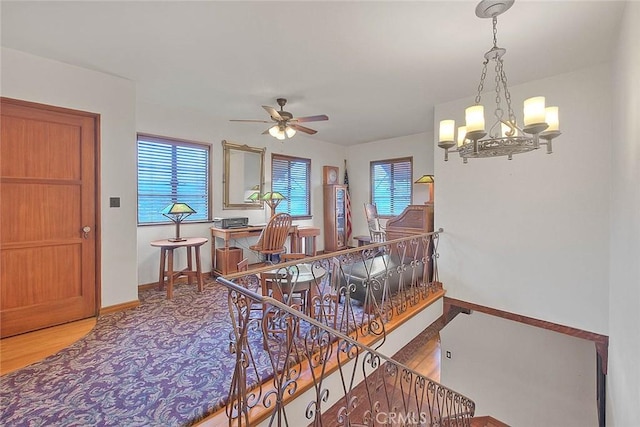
point(36, 79)
point(419, 146)
point(546, 379)
point(531, 235)
point(623, 392)
point(192, 125)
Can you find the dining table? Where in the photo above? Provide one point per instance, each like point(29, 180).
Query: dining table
point(303, 278)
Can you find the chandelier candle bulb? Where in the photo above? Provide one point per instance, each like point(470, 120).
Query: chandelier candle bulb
point(462, 135)
point(551, 118)
point(447, 130)
point(474, 118)
point(534, 111)
point(553, 131)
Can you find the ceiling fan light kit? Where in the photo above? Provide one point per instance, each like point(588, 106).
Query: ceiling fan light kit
point(505, 137)
point(286, 125)
point(282, 132)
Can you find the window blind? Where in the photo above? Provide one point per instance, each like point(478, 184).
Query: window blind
point(392, 185)
point(290, 176)
point(172, 171)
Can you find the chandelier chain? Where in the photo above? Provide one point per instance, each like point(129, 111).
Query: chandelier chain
point(501, 77)
point(499, 112)
point(495, 31)
point(507, 94)
point(482, 77)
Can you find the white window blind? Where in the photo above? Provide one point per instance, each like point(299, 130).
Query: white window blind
point(391, 185)
point(290, 176)
point(172, 171)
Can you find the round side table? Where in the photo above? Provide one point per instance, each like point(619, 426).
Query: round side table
point(166, 257)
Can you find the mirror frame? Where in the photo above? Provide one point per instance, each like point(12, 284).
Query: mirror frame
point(227, 148)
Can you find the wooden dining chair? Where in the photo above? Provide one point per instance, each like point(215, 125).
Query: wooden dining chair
point(273, 237)
point(297, 297)
point(326, 298)
point(252, 283)
point(321, 299)
point(278, 284)
point(376, 230)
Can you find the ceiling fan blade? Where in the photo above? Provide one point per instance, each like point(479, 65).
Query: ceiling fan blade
point(317, 118)
point(266, 132)
point(273, 112)
point(303, 129)
point(250, 121)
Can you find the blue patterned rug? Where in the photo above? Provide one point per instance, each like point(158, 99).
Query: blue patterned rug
point(165, 363)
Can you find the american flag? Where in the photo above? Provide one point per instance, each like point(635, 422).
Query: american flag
point(347, 204)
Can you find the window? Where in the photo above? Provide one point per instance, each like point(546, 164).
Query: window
point(171, 170)
point(290, 177)
point(391, 185)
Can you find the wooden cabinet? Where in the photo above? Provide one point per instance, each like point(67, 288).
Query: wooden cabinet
point(335, 232)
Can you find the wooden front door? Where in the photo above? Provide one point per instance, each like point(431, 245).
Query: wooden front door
point(48, 240)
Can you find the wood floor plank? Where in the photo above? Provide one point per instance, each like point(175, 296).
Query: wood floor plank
point(22, 350)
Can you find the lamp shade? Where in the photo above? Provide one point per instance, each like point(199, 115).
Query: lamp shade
point(474, 118)
point(534, 111)
point(462, 135)
point(447, 129)
point(290, 131)
point(273, 196)
point(425, 179)
point(551, 117)
point(177, 209)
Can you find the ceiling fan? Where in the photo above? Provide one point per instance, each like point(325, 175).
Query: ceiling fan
point(285, 124)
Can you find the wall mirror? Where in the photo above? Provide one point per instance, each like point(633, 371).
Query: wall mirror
point(243, 175)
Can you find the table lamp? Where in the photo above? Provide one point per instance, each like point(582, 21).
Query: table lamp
point(429, 180)
point(273, 199)
point(254, 197)
point(177, 212)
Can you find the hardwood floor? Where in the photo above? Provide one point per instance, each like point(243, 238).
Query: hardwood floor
point(22, 350)
point(426, 359)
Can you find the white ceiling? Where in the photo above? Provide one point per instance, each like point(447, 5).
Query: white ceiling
point(375, 68)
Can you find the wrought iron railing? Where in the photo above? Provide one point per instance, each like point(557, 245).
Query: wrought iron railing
point(312, 329)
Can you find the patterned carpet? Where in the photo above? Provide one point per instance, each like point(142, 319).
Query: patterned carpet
point(165, 363)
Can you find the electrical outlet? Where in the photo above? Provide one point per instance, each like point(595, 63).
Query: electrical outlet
point(448, 354)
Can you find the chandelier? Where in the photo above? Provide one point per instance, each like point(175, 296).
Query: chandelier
point(505, 137)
